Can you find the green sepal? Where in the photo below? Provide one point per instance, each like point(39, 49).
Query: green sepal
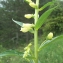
point(17, 22)
point(47, 42)
point(11, 53)
point(31, 31)
point(43, 18)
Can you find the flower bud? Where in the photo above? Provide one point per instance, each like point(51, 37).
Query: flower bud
point(50, 36)
point(25, 54)
point(27, 50)
point(28, 1)
point(29, 44)
point(33, 5)
point(28, 16)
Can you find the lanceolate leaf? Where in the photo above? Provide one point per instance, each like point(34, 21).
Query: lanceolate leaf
point(32, 61)
point(47, 42)
point(17, 22)
point(11, 52)
point(43, 7)
point(43, 18)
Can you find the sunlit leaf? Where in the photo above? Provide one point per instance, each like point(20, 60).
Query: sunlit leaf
point(43, 18)
point(43, 7)
point(11, 52)
point(17, 22)
point(47, 42)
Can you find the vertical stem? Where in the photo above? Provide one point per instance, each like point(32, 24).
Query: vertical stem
point(36, 34)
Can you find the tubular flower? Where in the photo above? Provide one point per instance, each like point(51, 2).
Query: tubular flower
point(50, 36)
point(33, 5)
point(28, 16)
point(25, 29)
point(27, 25)
point(28, 1)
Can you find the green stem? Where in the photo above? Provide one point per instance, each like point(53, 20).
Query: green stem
point(36, 34)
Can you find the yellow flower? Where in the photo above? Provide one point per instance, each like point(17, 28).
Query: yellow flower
point(25, 54)
point(27, 50)
point(27, 47)
point(50, 36)
point(25, 29)
point(27, 25)
point(28, 16)
point(29, 44)
point(33, 5)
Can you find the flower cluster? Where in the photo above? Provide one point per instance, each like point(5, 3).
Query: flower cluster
point(27, 50)
point(27, 27)
point(33, 5)
point(28, 1)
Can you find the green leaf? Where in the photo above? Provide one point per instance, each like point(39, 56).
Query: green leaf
point(31, 61)
point(39, 61)
point(10, 52)
point(31, 57)
point(19, 23)
point(43, 7)
point(43, 18)
point(47, 42)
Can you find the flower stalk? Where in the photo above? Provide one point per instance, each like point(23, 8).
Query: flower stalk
point(32, 56)
point(36, 33)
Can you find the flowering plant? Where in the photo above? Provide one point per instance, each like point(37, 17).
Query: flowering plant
point(32, 56)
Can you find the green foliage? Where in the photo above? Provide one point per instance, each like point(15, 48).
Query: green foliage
point(55, 21)
point(55, 25)
point(46, 5)
point(43, 18)
point(58, 12)
point(12, 59)
point(52, 53)
point(47, 42)
point(39, 22)
point(11, 53)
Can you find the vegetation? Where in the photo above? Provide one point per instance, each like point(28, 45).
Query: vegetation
point(12, 38)
point(51, 54)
